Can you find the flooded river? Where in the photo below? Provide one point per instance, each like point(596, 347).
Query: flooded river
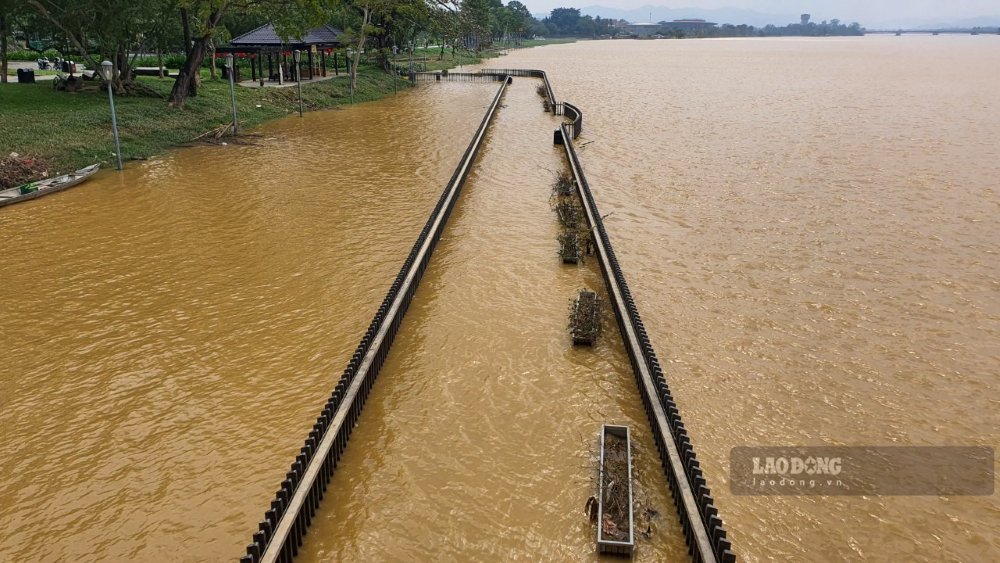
point(172, 330)
point(808, 227)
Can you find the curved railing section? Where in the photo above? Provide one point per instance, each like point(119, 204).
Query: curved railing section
point(280, 533)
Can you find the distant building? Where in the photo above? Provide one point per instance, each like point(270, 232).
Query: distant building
point(642, 29)
point(688, 25)
point(805, 19)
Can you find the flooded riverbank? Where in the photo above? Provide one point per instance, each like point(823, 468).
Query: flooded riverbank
point(171, 330)
point(807, 226)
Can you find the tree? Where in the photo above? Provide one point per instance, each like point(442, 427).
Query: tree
point(199, 19)
point(365, 28)
point(202, 19)
point(9, 10)
point(103, 29)
point(520, 16)
point(476, 21)
point(564, 20)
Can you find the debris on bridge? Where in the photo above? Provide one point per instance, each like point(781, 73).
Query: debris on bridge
point(545, 97)
point(585, 318)
point(569, 247)
point(614, 526)
point(570, 214)
point(563, 186)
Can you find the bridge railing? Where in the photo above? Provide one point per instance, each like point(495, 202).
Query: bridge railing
point(456, 77)
point(281, 532)
point(703, 528)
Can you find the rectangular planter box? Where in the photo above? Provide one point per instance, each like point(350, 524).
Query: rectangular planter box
point(616, 467)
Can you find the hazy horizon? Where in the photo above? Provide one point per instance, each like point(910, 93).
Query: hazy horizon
point(866, 12)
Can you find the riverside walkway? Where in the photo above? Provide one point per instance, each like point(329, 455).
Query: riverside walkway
point(286, 521)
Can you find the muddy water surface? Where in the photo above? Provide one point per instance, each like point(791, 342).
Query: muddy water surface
point(171, 332)
point(809, 227)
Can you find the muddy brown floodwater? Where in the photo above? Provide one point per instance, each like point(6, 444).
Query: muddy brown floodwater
point(170, 331)
point(480, 440)
point(808, 226)
point(809, 229)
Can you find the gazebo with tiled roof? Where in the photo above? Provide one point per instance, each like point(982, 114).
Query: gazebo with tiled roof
point(264, 40)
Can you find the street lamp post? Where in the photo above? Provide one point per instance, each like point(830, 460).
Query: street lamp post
point(351, 72)
point(395, 71)
point(106, 72)
point(297, 54)
point(232, 92)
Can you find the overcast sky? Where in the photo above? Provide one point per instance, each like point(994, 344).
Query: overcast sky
point(846, 10)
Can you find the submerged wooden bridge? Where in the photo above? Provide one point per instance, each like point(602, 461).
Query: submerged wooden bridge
point(279, 535)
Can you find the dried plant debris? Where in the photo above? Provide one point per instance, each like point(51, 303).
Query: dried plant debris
point(564, 185)
point(570, 214)
point(646, 518)
point(615, 514)
point(569, 247)
point(585, 318)
point(17, 169)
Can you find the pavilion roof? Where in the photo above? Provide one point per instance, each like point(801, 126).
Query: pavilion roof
point(266, 36)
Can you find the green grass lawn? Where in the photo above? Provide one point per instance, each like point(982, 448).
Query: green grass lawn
point(69, 130)
point(72, 129)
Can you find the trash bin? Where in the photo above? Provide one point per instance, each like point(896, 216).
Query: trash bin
point(25, 76)
point(235, 71)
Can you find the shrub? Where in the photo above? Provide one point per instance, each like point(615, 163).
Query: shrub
point(31, 55)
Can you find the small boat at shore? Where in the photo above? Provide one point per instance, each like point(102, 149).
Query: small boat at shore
point(37, 189)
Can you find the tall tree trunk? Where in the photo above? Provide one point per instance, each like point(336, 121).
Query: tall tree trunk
point(186, 27)
point(211, 55)
point(187, 83)
point(123, 69)
point(159, 61)
point(365, 20)
point(3, 49)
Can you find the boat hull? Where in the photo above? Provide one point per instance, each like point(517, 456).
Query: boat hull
point(46, 187)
